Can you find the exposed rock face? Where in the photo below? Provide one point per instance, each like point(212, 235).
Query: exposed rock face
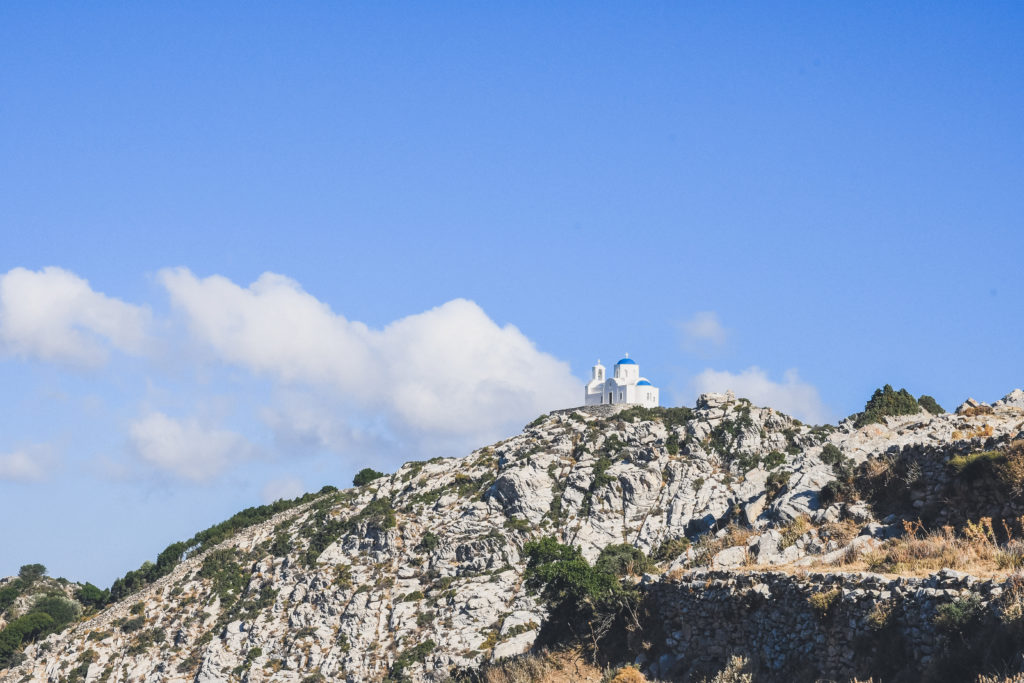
point(339, 588)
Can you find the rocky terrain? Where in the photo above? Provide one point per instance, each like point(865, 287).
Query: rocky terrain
point(419, 574)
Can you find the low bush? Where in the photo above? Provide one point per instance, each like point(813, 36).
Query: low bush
point(670, 549)
point(585, 601)
point(428, 542)
point(886, 402)
point(776, 484)
point(365, 476)
point(958, 616)
point(774, 459)
point(822, 602)
point(930, 404)
point(518, 525)
point(837, 491)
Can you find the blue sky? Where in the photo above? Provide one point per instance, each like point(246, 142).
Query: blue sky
point(246, 250)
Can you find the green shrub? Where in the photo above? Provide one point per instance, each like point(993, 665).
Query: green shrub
point(669, 416)
point(281, 545)
point(378, 513)
point(974, 465)
point(880, 616)
point(622, 559)
point(30, 573)
point(365, 476)
point(774, 459)
point(408, 657)
point(23, 629)
point(930, 404)
point(670, 549)
point(836, 491)
point(428, 542)
point(10, 593)
point(228, 577)
point(777, 482)
point(886, 402)
point(134, 624)
point(518, 525)
point(831, 454)
point(59, 608)
point(822, 602)
point(583, 600)
point(600, 480)
point(538, 421)
point(959, 615)
point(91, 596)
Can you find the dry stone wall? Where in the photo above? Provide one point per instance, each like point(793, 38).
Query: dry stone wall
point(838, 627)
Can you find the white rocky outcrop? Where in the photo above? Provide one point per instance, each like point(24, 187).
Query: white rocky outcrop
point(443, 587)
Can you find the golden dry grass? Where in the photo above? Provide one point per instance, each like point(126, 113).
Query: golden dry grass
point(918, 553)
point(629, 674)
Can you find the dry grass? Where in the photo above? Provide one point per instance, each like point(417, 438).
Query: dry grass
point(543, 667)
point(793, 530)
point(736, 671)
point(559, 666)
point(629, 674)
point(918, 553)
point(984, 431)
point(707, 546)
point(841, 532)
point(931, 552)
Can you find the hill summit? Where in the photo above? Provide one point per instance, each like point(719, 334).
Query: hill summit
point(561, 534)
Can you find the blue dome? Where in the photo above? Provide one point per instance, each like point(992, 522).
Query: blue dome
point(644, 383)
point(626, 361)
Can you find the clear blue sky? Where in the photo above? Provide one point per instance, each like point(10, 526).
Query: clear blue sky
point(729, 192)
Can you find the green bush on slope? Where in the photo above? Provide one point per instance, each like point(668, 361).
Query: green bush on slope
point(886, 402)
point(584, 601)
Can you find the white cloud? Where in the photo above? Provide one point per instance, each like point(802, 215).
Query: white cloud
point(791, 395)
point(54, 315)
point(185, 448)
point(23, 465)
point(450, 371)
point(703, 332)
point(286, 487)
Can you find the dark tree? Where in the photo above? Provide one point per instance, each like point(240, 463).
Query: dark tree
point(31, 572)
point(365, 476)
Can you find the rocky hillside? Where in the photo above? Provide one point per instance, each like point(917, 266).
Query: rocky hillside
point(420, 574)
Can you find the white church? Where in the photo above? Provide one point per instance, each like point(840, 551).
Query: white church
point(625, 386)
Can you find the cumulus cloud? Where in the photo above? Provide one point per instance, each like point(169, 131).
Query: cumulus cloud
point(54, 315)
point(703, 332)
point(285, 487)
point(792, 396)
point(448, 371)
point(23, 465)
point(186, 448)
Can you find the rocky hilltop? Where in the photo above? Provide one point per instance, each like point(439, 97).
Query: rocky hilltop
point(419, 575)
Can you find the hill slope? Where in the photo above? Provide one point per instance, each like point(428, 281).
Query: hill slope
point(419, 573)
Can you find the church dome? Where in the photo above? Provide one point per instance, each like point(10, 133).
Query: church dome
point(644, 383)
point(626, 361)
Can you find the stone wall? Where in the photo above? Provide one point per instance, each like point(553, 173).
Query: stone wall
point(836, 627)
point(917, 482)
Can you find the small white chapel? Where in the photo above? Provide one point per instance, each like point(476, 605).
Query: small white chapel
point(625, 386)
